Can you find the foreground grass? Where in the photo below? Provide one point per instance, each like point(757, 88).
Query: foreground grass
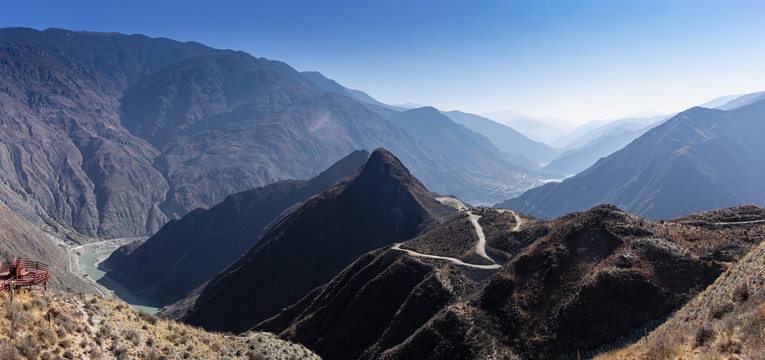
point(38, 325)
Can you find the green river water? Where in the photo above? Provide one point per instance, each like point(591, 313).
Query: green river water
point(138, 301)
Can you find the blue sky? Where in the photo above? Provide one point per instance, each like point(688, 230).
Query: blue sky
point(579, 60)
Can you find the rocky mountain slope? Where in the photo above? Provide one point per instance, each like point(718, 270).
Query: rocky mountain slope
point(727, 320)
point(321, 82)
point(65, 157)
point(19, 238)
point(85, 326)
point(537, 290)
point(380, 204)
point(112, 135)
point(701, 159)
point(188, 252)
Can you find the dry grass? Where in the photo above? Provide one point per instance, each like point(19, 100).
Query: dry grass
point(68, 326)
point(726, 321)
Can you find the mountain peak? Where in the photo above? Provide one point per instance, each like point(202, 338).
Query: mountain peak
point(382, 160)
point(379, 205)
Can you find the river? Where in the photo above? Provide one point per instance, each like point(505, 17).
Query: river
point(139, 302)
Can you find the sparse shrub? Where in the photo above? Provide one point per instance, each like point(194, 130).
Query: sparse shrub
point(120, 352)
point(8, 351)
point(155, 355)
point(96, 353)
point(60, 332)
point(66, 322)
point(253, 355)
point(150, 342)
point(664, 347)
point(703, 334)
point(719, 310)
point(46, 335)
point(39, 303)
point(741, 293)
point(28, 347)
point(131, 334)
point(174, 339)
point(105, 331)
point(68, 354)
point(709, 355)
point(65, 344)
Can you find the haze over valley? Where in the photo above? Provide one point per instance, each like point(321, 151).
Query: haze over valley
point(347, 180)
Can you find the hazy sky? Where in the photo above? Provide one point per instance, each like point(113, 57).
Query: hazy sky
point(579, 60)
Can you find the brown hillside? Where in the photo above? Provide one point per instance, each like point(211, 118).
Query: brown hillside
point(573, 283)
point(725, 321)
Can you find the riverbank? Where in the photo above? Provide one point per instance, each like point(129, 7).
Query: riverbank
point(89, 259)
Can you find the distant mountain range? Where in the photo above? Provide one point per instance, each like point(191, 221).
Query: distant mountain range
point(378, 205)
point(518, 147)
point(594, 130)
point(188, 252)
point(478, 146)
point(113, 135)
point(742, 100)
point(575, 161)
point(544, 129)
point(700, 159)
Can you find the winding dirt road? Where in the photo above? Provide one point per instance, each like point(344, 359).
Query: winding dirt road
point(397, 246)
point(453, 202)
point(480, 246)
point(518, 220)
point(739, 222)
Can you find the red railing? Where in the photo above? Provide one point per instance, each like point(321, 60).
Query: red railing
point(23, 273)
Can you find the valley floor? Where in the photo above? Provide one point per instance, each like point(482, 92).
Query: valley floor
point(86, 262)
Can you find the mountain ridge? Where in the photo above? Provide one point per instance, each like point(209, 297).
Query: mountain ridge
point(112, 135)
point(167, 265)
point(381, 203)
point(572, 283)
point(661, 174)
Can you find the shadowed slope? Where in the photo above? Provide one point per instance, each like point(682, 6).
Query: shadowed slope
point(576, 282)
point(382, 203)
point(186, 253)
